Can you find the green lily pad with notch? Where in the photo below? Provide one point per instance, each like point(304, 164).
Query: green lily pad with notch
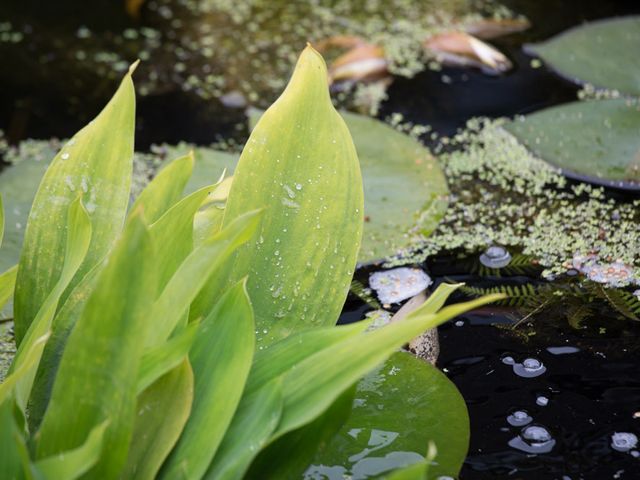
point(405, 189)
point(398, 409)
point(595, 141)
point(603, 53)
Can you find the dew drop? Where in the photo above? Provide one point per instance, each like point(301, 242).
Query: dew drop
point(519, 418)
point(623, 441)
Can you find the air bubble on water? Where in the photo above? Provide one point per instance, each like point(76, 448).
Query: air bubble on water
point(564, 350)
point(495, 257)
point(529, 368)
point(623, 441)
point(533, 439)
point(542, 401)
point(459, 323)
point(508, 361)
point(519, 418)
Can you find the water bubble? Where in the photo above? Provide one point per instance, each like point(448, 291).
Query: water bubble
point(519, 418)
point(529, 368)
point(562, 350)
point(64, 156)
point(495, 257)
point(542, 401)
point(298, 186)
point(508, 361)
point(533, 439)
point(459, 323)
point(623, 441)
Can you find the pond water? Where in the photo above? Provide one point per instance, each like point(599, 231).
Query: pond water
point(546, 401)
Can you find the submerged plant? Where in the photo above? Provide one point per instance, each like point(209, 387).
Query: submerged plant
point(150, 345)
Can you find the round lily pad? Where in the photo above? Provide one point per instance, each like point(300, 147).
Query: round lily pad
point(603, 53)
point(594, 141)
point(398, 409)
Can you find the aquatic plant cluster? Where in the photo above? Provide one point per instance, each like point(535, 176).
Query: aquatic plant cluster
point(237, 51)
point(504, 195)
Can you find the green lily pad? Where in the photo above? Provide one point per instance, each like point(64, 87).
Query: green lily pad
point(398, 409)
point(595, 141)
point(603, 53)
point(18, 184)
point(404, 188)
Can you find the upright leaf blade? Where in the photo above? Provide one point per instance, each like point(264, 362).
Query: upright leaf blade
point(98, 162)
point(7, 285)
point(163, 410)
point(96, 380)
point(73, 464)
point(221, 357)
point(165, 189)
point(301, 165)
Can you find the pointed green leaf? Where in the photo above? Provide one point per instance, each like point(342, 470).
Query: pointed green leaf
point(191, 276)
point(301, 165)
point(253, 423)
point(172, 234)
point(404, 186)
point(163, 410)
point(291, 454)
point(1, 220)
point(165, 189)
point(7, 285)
point(97, 376)
point(72, 464)
point(14, 457)
point(29, 359)
point(401, 407)
point(277, 359)
point(97, 161)
point(158, 361)
point(221, 357)
point(602, 53)
point(76, 245)
point(317, 381)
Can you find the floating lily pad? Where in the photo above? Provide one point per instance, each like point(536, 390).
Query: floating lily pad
point(404, 187)
point(18, 185)
point(398, 409)
point(603, 53)
point(595, 141)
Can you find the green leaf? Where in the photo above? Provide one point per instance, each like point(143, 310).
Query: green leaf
point(163, 410)
point(97, 162)
point(300, 164)
point(7, 285)
point(78, 226)
point(603, 53)
point(30, 358)
point(597, 141)
point(165, 189)
point(192, 275)
point(172, 234)
point(260, 408)
point(317, 380)
point(97, 376)
point(14, 456)
point(400, 408)
point(73, 464)
point(157, 361)
point(253, 423)
point(290, 455)
point(221, 357)
point(277, 359)
point(209, 165)
point(1, 220)
point(404, 187)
